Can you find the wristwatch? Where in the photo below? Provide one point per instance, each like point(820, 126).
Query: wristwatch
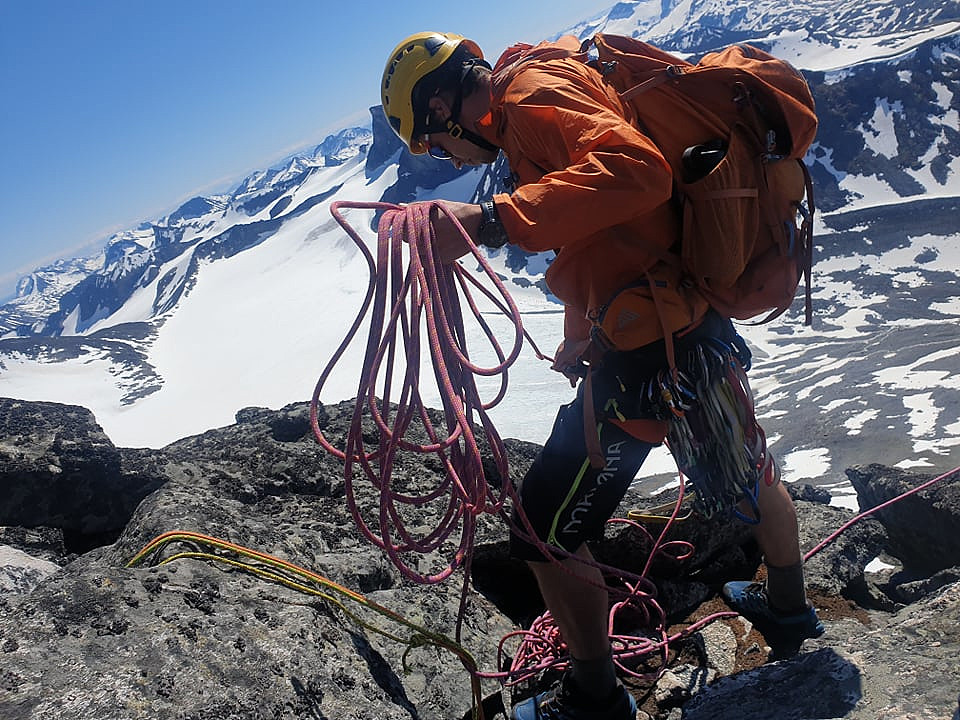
point(491, 232)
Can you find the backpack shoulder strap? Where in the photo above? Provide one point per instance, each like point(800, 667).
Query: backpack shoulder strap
point(640, 66)
point(519, 55)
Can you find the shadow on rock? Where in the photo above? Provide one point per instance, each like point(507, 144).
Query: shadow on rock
point(312, 697)
point(384, 675)
point(820, 684)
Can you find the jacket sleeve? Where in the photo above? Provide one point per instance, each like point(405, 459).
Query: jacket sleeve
point(600, 170)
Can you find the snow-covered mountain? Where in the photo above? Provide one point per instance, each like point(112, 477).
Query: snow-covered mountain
point(38, 294)
point(696, 26)
point(239, 299)
point(156, 262)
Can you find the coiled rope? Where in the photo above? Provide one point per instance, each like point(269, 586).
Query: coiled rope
point(411, 289)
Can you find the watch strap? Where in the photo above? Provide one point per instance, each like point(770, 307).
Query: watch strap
point(491, 231)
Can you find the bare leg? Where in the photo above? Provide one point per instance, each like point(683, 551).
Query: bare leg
point(578, 606)
point(778, 534)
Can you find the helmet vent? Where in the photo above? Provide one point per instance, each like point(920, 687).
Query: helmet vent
point(433, 45)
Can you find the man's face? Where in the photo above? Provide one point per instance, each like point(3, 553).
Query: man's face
point(459, 150)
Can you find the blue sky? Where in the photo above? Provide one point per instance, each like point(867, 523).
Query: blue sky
point(114, 112)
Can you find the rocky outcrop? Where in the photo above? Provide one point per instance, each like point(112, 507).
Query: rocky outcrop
point(84, 636)
point(922, 527)
point(20, 572)
point(59, 469)
point(897, 666)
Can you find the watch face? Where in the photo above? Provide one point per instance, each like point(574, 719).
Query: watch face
point(492, 234)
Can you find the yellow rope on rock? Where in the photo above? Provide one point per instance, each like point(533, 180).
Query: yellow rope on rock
point(305, 581)
point(660, 514)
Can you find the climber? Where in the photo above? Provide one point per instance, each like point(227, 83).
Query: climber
point(588, 182)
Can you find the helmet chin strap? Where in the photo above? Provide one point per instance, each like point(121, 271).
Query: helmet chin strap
point(453, 126)
point(456, 130)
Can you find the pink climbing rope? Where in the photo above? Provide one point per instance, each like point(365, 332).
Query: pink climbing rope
point(410, 289)
point(867, 513)
point(542, 647)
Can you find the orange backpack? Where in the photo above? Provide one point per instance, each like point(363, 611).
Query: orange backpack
point(734, 128)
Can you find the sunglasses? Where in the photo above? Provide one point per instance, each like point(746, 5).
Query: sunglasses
point(435, 151)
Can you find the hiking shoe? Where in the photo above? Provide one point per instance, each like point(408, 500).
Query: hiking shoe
point(565, 702)
point(783, 633)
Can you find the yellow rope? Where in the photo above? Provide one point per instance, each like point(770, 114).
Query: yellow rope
point(656, 516)
point(302, 580)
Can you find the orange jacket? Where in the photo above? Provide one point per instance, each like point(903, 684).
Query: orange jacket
point(592, 187)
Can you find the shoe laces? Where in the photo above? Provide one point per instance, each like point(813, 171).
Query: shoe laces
point(563, 697)
point(754, 598)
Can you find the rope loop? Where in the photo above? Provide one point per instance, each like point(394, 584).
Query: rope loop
point(416, 306)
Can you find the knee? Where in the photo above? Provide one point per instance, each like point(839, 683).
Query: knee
point(780, 497)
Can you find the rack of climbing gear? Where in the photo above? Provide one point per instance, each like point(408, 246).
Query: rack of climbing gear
point(713, 432)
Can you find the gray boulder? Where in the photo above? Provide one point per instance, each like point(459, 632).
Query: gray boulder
point(898, 666)
point(20, 572)
point(922, 528)
point(838, 568)
point(59, 469)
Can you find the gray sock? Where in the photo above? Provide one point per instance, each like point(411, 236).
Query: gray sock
point(785, 589)
point(596, 678)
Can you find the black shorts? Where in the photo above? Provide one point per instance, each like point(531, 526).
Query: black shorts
point(565, 498)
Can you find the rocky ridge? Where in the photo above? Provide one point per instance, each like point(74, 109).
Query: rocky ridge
point(84, 636)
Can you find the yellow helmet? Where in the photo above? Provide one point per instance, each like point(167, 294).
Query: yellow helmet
point(410, 62)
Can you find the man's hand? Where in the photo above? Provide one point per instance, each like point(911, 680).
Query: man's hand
point(448, 239)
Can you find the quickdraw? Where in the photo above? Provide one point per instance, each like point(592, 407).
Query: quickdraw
point(712, 432)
